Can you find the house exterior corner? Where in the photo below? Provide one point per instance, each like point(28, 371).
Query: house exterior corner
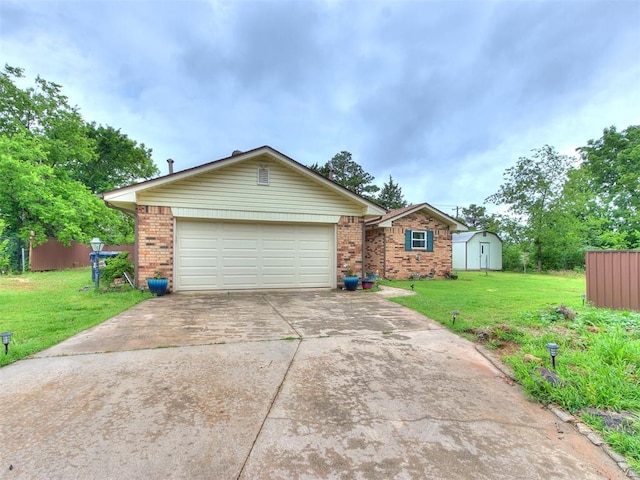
point(387, 253)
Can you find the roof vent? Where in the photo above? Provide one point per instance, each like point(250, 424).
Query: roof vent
point(263, 175)
point(236, 152)
point(170, 162)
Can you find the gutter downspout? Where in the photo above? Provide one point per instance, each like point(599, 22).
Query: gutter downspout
point(384, 253)
point(364, 247)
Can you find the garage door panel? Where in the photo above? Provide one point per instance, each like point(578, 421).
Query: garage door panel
point(227, 255)
point(199, 243)
point(205, 263)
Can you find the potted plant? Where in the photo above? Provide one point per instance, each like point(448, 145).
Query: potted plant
point(369, 281)
point(158, 283)
point(350, 280)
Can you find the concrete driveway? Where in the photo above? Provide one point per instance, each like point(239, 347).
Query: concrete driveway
point(304, 385)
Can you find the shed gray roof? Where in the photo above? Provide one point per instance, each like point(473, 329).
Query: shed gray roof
point(466, 236)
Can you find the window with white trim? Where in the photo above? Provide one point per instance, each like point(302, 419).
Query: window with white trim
point(418, 240)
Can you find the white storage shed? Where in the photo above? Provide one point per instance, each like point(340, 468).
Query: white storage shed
point(477, 251)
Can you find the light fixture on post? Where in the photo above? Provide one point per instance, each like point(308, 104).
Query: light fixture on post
point(96, 246)
point(553, 351)
point(6, 338)
point(454, 315)
point(584, 297)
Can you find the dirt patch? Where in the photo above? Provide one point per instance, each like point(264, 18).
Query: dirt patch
point(17, 284)
point(498, 337)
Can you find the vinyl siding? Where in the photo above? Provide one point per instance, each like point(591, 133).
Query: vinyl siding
point(234, 188)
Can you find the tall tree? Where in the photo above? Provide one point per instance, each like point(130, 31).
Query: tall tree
point(611, 173)
point(43, 111)
point(476, 218)
point(343, 170)
point(36, 198)
point(532, 191)
point(120, 161)
point(391, 196)
point(38, 129)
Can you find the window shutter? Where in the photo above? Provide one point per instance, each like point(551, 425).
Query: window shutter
point(407, 240)
point(429, 240)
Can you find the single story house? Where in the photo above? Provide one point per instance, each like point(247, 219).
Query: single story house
point(413, 241)
point(477, 251)
point(253, 220)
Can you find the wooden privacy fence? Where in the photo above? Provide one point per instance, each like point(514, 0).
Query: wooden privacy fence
point(54, 255)
point(613, 279)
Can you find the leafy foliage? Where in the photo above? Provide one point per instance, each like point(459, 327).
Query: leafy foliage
point(120, 161)
point(38, 199)
point(52, 163)
point(559, 206)
point(476, 218)
point(115, 267)
point(391, 196)
point(343, 170)
point(532, 190)
point(612, 176)
point(5, 258)
point(42, 111)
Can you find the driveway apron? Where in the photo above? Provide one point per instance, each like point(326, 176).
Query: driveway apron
point(297, 385)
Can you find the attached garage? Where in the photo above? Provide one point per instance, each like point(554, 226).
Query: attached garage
point(234, 255)
point(254, 220)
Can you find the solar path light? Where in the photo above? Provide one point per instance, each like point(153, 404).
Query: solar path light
point(6, 338)
point(454, 315)
point(553, 351)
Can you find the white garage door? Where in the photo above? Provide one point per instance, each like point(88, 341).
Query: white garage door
point(232, 256)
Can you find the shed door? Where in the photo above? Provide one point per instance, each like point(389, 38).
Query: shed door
point(234, 256)
point(485, 255)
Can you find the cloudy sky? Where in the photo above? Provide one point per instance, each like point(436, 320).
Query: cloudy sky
point(442, 95)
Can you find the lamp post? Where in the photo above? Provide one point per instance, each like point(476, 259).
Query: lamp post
point(96, 246)
point(584, 297)
point(553, 351)
point(6, 338)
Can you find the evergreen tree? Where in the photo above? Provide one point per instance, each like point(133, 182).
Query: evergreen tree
point(391, 196)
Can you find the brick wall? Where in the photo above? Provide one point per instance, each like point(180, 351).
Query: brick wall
point(374, 252)
point(349, 245)
point(155, 242)
point(400, 264)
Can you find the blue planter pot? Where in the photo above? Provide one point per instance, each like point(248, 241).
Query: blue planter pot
point(351, 283)
point(158, 286)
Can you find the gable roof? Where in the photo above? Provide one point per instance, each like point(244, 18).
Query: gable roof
point(388, 219)
point(466, 236)
point(126, 197)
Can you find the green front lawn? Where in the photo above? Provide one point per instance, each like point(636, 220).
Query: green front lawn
point(42, 309)
point(514, 314)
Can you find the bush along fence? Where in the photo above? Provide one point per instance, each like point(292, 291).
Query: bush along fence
point(54, 255)
point(14, 256)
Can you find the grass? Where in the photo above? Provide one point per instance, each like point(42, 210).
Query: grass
point(515, 314)
point(44, 308)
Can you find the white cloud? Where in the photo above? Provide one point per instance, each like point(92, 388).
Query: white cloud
point(442, 95)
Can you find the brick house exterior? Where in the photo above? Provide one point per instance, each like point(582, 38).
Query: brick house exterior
point(255, 219)
point(154, 242)
point(394, 251)
point(350, 234)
